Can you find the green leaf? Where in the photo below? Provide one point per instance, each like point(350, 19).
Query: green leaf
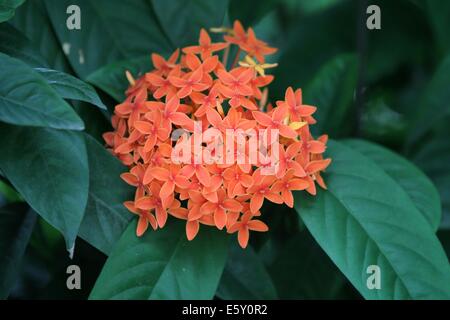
point(183, 19)
point(163, 264)
point(26, 99)
point(248, 13)
point(381, 123)
point(332, 91)
point(403, 27)
point(245, 277)
point(106, 217)
point(438, 12)
point(16, 225)
point(365, 218)
point(15, 44)
point(417, 185)
point(434, 159)
point(7, 8)
point(111, 30)
point(302, 54)
point(49, 169)
point(8, 193)
point(112, 79)
point(301, 270)
point(32, 19)
point(69, 87)
point(435, 102)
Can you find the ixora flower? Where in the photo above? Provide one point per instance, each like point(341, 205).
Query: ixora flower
point(236, 149)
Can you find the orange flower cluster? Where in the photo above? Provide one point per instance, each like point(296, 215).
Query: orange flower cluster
point(197, 85)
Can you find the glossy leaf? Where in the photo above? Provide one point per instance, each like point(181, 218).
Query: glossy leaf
point(435, 102)
point(163, 264)
point(106, 217)
point(112, 79)
point(438, 12)
point(365, 218)
point(111, 30)
point(49, 169)
point(16, 225)
point(69, 87)
point(26, 99)
point(417, 185)
point(183, 19)
point(405, 28)
point(433, 158)
point(302, 54)
point(17, 45)
point(7, 8)
point(245, 277)
point(332, 90)
point(301, 270)
point(381, 123)
point(33, 21)
point(247, 13)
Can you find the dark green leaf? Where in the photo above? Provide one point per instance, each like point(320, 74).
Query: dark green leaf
point(16, 225)
point(438, 12)
point(434, 159)
point(303, 53)
point(69, 87)
point(435, 102)
point(301, 270)
point(403, 27)
point(381, 123)
point(183, 19)
point(163, 264)
point(15, 44)
point(332, 91)
point(111, 30)
point(32, 19)
point(418, 186)
point(26, 99)
point(112, 79)
point(106, 217)
point(365, 218)
point(49, 169)
point(249, 13)
point(8, 193)
point(245, 277)
point(7, 8)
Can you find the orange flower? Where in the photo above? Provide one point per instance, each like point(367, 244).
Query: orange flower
point(244, 226)
point(213, 191)
point(205, 47)
point(170, 177)
point(163, 66)
point(275, 122)
point(255, 47)
point(135, 178)
point(297, 111)
point(237, 80)
point(189, 83)
point(288, 183)
point(260, 190)
point(238, 35)
point(160, 205)
point(145, 218)
point(219, 209)
point(238, 181)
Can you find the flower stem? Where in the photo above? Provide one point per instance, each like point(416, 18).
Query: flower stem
point(236, 59)
point(225, 56)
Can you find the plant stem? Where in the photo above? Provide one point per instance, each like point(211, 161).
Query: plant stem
point(236, 59)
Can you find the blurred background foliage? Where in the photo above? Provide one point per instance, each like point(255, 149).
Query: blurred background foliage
point(391, 86)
